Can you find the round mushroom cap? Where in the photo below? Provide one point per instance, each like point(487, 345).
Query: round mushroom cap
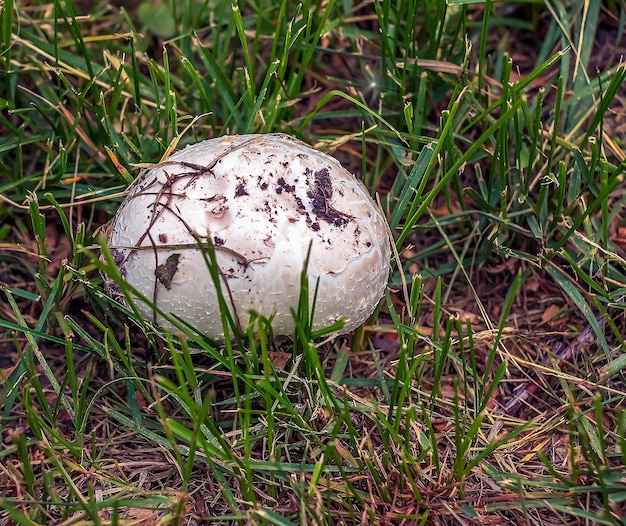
point(262, 200)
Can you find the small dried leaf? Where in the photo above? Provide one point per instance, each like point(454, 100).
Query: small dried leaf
point(550, 313)
point(165, 272)
point(279, 359)
point(532, 284)
point(141, 401)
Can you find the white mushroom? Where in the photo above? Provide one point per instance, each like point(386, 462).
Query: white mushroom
point(262, 200)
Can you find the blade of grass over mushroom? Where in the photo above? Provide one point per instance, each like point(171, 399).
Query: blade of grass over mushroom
point(303, 319)
point(133, 296)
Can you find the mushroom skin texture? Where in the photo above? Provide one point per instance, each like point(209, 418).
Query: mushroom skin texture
point(261, 200)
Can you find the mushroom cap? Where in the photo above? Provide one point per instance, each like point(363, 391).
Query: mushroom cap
point(262, 200)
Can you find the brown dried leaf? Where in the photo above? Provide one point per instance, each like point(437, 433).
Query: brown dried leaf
point(165, 272)
point(550, 313)
point(279, 359)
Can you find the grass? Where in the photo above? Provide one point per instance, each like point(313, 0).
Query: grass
point(489, 385)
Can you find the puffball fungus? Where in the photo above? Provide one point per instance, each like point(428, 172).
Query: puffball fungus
point(261, 200)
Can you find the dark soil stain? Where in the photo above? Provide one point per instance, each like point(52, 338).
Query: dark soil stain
point(282, 186)
point(320, 196)
point(241, 190)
